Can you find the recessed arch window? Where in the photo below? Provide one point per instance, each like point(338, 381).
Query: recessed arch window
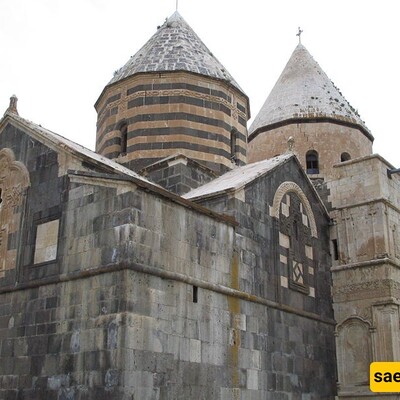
point(345, 157)
point(312, 162)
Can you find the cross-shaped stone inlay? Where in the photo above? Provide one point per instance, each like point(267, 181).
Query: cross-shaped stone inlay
point(294, 225)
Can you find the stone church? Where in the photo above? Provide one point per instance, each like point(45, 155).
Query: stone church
point(190, 257)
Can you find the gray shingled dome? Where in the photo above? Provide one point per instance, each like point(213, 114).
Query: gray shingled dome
point(304, 91)
point(175, 47)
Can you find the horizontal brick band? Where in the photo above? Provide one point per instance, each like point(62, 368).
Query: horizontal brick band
point(185, 86)
point(179, 145)
point(241, 108)
point(174, 116)
point(110, 100)
point(196, 133)
point(180, 99)
point(174, 131)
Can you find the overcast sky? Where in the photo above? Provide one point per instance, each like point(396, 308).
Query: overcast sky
point(57, 55)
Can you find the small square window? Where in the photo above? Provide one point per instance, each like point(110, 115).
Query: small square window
point(46, 241)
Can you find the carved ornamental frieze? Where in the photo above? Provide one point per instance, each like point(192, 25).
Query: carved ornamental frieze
point(14, 180)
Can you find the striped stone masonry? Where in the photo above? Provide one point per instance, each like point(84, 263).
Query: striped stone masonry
point(170, 113)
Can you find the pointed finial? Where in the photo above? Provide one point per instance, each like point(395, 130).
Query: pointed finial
point(290, 144)
point(299, 34)
point(12, 108)
point(177, 3)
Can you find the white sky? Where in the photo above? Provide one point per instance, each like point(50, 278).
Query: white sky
point(57, 55)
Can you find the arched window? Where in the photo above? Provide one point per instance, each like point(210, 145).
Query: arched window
point(312, 164)
point(123, 129)
point(345, 157)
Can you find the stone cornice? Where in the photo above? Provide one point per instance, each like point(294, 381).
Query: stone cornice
point(373, 201)
point(369, 263)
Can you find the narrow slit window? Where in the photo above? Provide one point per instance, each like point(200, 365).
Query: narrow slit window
point(335, 249)
point(233, 145)
point(124, 138)
point(195, 294)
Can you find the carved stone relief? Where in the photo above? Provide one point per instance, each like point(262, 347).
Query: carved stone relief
point(14, 179)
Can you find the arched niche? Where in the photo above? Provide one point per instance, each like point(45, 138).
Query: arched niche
point(354, 351)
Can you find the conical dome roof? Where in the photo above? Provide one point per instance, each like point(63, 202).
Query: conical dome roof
point(304, 91)
point(175, 47)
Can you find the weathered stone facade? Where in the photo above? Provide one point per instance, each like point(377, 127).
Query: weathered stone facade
point(151, 296)
point(204, 277)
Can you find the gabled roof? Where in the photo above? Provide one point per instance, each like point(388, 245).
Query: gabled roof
point(173, 159)
point(304, 91)
point(175, 47)
point(237, 178)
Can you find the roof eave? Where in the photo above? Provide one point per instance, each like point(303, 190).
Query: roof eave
point(243, 185)
point(296, 120)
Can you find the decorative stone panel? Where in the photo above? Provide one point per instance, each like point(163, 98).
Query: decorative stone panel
point(296, 229)
point(46, 241)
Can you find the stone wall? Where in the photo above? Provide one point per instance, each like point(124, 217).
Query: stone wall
point(296, 313)
point(150, 296)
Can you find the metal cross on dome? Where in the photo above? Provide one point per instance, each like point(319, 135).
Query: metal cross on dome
point(299, 34)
